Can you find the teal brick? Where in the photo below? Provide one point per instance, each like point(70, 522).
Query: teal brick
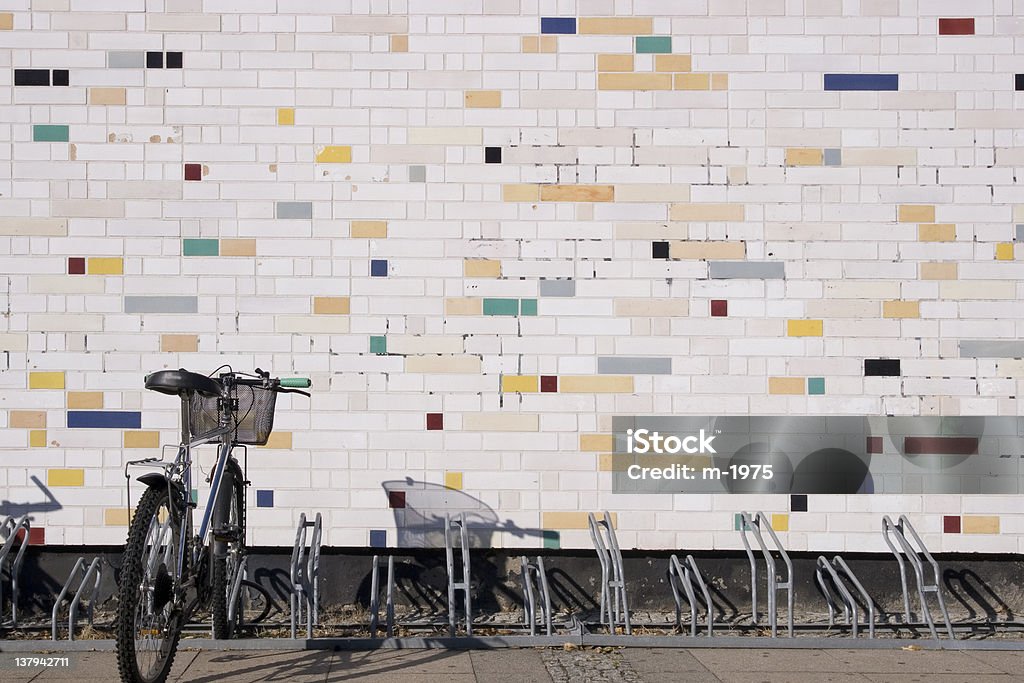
point(501, 306)
point(646, 45)
point(50, 133)
point(200, 247)
point(815, 385)
point(528, 307)
point(552, 539)
point(195, 495)
point(378, 345)
point(737, 522)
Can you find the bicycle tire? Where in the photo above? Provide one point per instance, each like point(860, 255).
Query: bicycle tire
point(221, 570)
point(135, 587)
point(268, 603)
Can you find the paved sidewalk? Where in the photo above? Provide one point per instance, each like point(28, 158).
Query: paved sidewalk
point(551, 665)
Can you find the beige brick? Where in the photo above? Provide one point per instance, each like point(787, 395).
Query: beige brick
point(189, 23)
point(597, 443)
point(616, 26)
point(116, 517)
point(901, 309)
point(634, 81)
point(6, 21)
point(84, 400)
point(652, 192)
point(88, 208)
point(916, 213)
point(500, 422)
point(520, 193)
point(453, 135)
point(530, 44)
point(400, 43)
point(32, 227)
point(615, 62)
point(654, 308)
point(879, 156)
point(27, 419)
point(719, 81)
point(483, 99)
point(141, 439)
point(673, 62)
point(107, 96)
point(577, 193)
point(330, 305)
point(410, 344)
point(980, 524)
point(797, 156)
point(706, 212)
point(477, 267)
point(13, 341)
point(978, 289)
point(179, 343)
point(467, 365)
point(369, 229)
point(786, 385)
point(464, 306)
point(573, 520)
point(708, 250)
point(237, 247)
point(936, 232)
point(939, 271)
point(595, 384)
point(548, 44)
point(692, 82)
point(279, 440)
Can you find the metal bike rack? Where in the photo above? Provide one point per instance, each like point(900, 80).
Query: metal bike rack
point(907, 552)
point(614, 603)
point(849, 603)
point(305, 573)
point(450, 525)
point(389, 604)
point(534, 573)
point(10, 530)
point(756, 524)
point(88, 585)
point(685, 574)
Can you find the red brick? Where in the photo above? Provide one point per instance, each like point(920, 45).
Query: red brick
point(940, 445)
point(396, 499)
point(193, 172)
point(719, 308)
point(76, 265)
point(37, 536)
point(548, 383)
point(956, 27)
point(874, 444)
point(435, 421)
point(951, 524)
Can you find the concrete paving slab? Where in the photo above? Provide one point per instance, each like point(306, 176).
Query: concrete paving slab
point(940, 678)
point(437, 662)
point(788, 677)
point(1006, 662)
point(657, 660)
point(768, 661)
point(526, 663)
point(302, 667)
point(905, 662)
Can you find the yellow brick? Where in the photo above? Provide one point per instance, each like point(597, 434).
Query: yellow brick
point(634, 81)
point(69, 477)
point(107, 96)
point(801, 156)
point(692, 81)
point(600, 443)
point(85, 400)
point(980, 524)
point(369, 229)
point(478, 267)
point(520, 193)
point(141, 439)
point(483, 99)
point(46, 380)
point(463, 306)
point(238, 247)
point(616, 26)
point(938, 271)
point(523, 384)
point(936, 232)
point(37, 438)
point(780, 521)
point(279, 440)
point(577, 193)
point(672, 62)
point(179, 343)
point(530, 44)
point(617, 63)
point(6, 21)
point(1004, 251)
point(286, 116)
point(804, 328)
point(786, 385)
point(595, 384)
point(719, 81)
point(27, 419)
point(706, 212)
point(463, 365)
point(916, 213)
point(707, 250)
point(453, 480)
point(548, 44)
point(606, 462)
point(334, 154)
point(116, 517)
point(331, 305)
point(901, 309)
point(573, 520)
point(400, 43)
point(655, 308)
point(105, 266)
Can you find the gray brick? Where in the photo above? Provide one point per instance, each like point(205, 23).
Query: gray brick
point(753, 270)
point(991, 348)
point(833, 157)
point(558, 288)
point(417, 174)
point(161, 304)
point(624, 365)
point(126, 59)
point(1020, 233)
point(295, 209)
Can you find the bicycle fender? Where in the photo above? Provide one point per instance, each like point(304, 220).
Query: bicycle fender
point(154, 479)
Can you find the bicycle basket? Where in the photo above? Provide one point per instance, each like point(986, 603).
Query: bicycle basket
point(254, 417)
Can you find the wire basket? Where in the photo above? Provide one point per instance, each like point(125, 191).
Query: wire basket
point(254, 417)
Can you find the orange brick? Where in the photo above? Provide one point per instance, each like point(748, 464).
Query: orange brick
point(801, 156)
point(572, 520)
point(692, 81)
point(399, 43)
point(901, 309)
point(238, 247)
point(107, 96)
point(141, 439)
point(463, 306)
point(615, 62)
point(478, 267)
point(116, 517)
point(911, 213)
point(483, 99)
point(369, 229)
point(530, 44)
point(548, 44)
point(980, 524)
point(279, 440)
point(520, 193)
point(938, 271)
point(331, 305)
point(27, 419)
point(634, 81)
point(786, 385)
point(577, 193)
point(707, 250)
point(179, 343)
point(719, 81)
point(595, 384)
point(6, 21)
point(597, 443)
point(616, 26)
point(85, 399)
point(672, 62)
point(936, 232)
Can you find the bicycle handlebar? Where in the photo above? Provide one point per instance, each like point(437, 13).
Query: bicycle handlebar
point(296, 382)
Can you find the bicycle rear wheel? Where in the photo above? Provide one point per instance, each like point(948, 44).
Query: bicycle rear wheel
point(149, 616)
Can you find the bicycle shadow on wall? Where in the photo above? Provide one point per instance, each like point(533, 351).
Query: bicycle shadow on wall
point(51, 504)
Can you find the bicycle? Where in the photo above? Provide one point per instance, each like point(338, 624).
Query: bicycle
point(167, 571)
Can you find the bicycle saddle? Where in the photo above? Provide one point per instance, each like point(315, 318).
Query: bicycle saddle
point(176, 382)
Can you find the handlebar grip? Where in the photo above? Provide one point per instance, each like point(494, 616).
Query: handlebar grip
point(296, 382)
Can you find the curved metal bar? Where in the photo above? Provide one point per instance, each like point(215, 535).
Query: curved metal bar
point(78, 568)
point(840, 563)
point(756, 524)
point(545, 594)
point(887, 528)
point(849, 604)
point(529, 617)
point(92, 573)
point(691, 566)
point(829, 598)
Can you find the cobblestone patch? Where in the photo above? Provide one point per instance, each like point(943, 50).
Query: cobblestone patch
point(589, 665)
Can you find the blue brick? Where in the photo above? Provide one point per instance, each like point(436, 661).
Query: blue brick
point(862, 82)
point(379, 268)
point(264, 499)
point(104, 419)
point(378, 538)
point(561, 25)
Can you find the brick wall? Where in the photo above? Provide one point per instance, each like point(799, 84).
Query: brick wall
point(484, 228)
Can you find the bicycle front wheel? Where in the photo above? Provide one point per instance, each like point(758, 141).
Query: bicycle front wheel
point(232, 529)
point(149, 616)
